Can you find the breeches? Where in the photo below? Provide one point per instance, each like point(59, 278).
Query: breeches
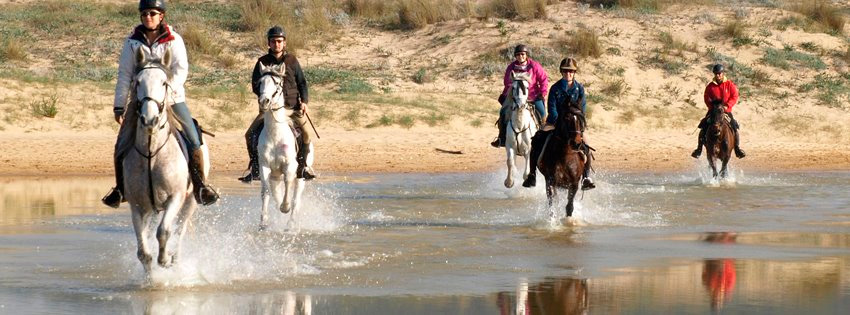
point(125, 132)
point(538, 106)
point(298, 120)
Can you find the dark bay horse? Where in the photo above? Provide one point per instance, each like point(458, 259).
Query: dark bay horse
point(719, 139)
point(562, 161)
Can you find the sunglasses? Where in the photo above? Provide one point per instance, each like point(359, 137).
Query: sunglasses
point(520, 54)
point(150, 14)
point(568, 71)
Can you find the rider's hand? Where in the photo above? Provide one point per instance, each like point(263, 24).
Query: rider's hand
point(303, 108)
point(548, 127)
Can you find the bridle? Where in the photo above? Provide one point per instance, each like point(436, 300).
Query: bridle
point(161, 122)
point(517, 107)
point(278, 82)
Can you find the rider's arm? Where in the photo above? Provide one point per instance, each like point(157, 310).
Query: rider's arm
point(300, 82)
point(126, 66)
point(733, 96)
point(542, 79)
point(582, 99)
point(552, 105)
point(255, 79)
point(705, 96)
point(179, 63)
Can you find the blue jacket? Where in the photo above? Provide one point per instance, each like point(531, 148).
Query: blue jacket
point(560, 99)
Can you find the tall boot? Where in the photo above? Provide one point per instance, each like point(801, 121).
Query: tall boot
point(305, 162)
point(534, 155)
point(254, 164)
point(204, 194)
point(587, 182)
point(738, 152)
point(116, 196)
point(500, 140)
point(700, 142)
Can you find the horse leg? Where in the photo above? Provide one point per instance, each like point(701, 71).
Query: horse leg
point(710, 158)
point(289, 182)
point(265, 174)
point(510, 150)
point(551, 192)
point(183, 218)
point(723, 169)
point(141, 222)
point(571, 196)
point(163, 233)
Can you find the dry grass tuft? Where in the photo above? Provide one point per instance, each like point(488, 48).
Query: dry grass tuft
point(11, 49)
point(583, 42)
point(414, 14)
point(517, 9)
point(822, 12)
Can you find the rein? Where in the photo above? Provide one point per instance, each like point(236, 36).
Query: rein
point(278, 89)
point(163, 116)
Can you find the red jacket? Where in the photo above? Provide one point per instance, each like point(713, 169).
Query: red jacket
point(725, 91)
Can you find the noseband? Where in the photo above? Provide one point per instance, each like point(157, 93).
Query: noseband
point(278, 82)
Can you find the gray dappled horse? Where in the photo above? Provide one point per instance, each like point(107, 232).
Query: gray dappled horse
point(276, 147)
point(520, 126)
point(719, 140)
point(156, 168)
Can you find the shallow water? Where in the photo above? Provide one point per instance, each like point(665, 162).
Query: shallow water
point(457, 243)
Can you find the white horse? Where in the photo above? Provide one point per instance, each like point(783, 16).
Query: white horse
point(520, 127)
point(276, 146)
point(156, 168)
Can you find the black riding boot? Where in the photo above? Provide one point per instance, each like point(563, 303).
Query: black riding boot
point(738, 152)
point(303, 170)
point(204, 193)
point(587, 183)
point(698, 151)
point(254, 163)
point(500, 140)
point(534, 155)
point(116, 196)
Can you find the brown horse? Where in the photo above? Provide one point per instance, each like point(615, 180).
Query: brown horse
point(719, 140)
point(562, 161)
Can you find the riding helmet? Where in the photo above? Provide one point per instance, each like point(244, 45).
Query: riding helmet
point(521, 48)
point(152, 4)
point(568, 64)
point(718, 68)
point(276, 31)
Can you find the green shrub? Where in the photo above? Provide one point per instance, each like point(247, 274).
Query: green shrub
point(320, 75)
point(422, 76)
point(783, 58)
point(355, 86)
point(46, 107)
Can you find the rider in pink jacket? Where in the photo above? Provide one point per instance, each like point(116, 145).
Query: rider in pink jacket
point(537, 91)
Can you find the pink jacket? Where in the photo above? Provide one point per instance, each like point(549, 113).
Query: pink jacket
point(539, 80)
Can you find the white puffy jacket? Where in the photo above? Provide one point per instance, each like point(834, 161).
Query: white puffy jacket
point(179, 66)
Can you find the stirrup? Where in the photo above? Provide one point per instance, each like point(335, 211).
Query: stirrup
point(247, 179)
point(207, 195)
point(496, 143)
point(114, 198)
point(587, 184)
point(304, 172)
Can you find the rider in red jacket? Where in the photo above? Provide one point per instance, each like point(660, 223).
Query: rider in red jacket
point(721, 90)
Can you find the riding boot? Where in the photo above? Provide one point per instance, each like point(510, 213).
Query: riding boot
point(116, 196)
point(534, 155)
point(500, 140)
point(204, 194)
point(701, 138)
point(254, 165)
point(305, 162)
point(738, 152)
point(587, 182)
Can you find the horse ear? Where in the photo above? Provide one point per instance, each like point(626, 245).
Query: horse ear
point(166, 60)
point(262, 68)
point(140, 56)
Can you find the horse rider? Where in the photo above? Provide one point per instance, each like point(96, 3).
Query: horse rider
point(565, 96)
point(159, 37)
point(295, 98)
point(720, 90)
point(538, 87)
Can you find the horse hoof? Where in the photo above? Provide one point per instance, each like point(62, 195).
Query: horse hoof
point(284, 209)
point(509, 183)
point(263, 227)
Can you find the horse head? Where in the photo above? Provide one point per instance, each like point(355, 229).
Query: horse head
point(151, 82)
point(519, 89)
point(718, 117)
point(271, 86)
point(570, 125)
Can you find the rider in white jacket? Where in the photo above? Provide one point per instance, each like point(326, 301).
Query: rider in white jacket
point(157, 38)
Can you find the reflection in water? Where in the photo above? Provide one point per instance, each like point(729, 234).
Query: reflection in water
point(718, 275)
point(554, 296)
point(28, 200)
point(172, 302)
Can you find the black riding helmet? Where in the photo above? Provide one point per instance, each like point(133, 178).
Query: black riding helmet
point(521, 48)
point(276, 31)
point(718, 68)
point(152, 4)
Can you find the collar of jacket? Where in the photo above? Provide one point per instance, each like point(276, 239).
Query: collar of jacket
point(271, 54)
point(565, 85)
point(722, 79)
point(164, 34)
